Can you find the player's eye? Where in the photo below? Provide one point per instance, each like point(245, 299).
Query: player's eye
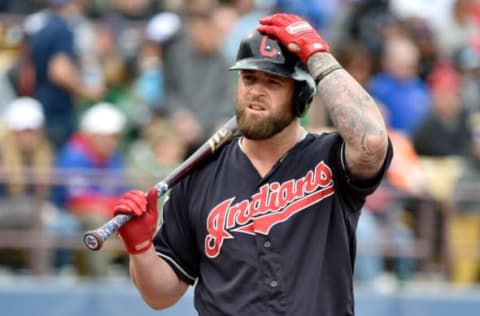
point(248, 78)
point(274, 82)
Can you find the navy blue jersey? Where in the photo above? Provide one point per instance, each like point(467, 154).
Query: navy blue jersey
point(283, 244)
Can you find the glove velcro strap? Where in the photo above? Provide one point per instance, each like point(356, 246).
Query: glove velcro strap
point(139, 248)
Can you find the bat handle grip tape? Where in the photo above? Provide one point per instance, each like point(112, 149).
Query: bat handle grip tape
point(94, 239)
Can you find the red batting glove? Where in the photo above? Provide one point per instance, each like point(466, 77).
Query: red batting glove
point(294, 33)
point(138, 232)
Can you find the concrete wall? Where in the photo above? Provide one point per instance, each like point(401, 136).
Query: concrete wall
point(54, 297)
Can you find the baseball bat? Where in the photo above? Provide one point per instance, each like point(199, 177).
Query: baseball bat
point(94, 239)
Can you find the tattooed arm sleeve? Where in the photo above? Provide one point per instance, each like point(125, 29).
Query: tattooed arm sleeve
point(355, 115)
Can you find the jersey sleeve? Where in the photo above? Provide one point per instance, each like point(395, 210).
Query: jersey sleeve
point(358, 189)
point(174, 242)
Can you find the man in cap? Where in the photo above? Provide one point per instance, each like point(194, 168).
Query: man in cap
point(92, 173)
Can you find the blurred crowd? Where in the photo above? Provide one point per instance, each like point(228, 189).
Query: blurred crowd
point(100, 96)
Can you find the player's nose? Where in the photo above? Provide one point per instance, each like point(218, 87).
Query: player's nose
point(257, 89)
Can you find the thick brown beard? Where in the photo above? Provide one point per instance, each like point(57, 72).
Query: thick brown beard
point(259, 129)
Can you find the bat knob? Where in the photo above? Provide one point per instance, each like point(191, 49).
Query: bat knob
point(92, 240)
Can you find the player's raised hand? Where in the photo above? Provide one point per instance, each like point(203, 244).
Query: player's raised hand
point(138, 232)
point(295, 33)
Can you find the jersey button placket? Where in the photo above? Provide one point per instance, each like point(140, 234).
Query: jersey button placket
point(269, 269)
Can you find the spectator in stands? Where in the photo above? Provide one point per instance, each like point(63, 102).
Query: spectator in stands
point(122, 27)
point(467, 62)
point(118, 78)
point(443, 139)
point(448, 119)
point(193, 62)
point(23, 147)
point(458, 28)
point(367, 22)
point(422, 36)
point(418, 18)
point(398, 86)
point(157, 152)
point(93, 175)
point(149, 82)
point(26, 167)
point(464, 230)
point(58, 78)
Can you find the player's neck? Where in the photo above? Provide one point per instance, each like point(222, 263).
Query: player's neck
point(265, 153)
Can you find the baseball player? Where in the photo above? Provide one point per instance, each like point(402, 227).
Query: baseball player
point(267, 227)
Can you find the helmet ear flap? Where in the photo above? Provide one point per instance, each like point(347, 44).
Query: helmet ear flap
point(303, 99)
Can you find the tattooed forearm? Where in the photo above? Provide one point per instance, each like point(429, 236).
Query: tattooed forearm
point(354, 114)
point(320, 62)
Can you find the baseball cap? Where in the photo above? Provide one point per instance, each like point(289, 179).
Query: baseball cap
point(162, 27)
point(444, 77)
point(103, 118)
point(24, 113)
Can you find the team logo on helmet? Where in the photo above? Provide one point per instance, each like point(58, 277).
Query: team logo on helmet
point(265, 49)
